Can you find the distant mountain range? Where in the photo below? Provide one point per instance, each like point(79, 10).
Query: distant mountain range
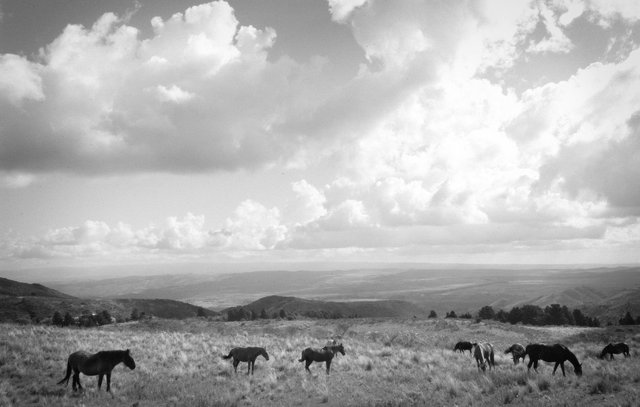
point(22, 302)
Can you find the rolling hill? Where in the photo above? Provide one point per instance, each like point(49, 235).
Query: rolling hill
point(331, 309)
point(22, 302)
point(16, 288)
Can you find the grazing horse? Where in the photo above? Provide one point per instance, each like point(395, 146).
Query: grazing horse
point(483, 352)
point(462, 346)
point(517, 351)
point(101, 364)
point(248, 355)
point(618, 348)
point(325, 354)
point(556, 353)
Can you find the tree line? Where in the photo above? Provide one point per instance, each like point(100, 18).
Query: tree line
point(89, 319)
point(245, 314)
point(554, 314)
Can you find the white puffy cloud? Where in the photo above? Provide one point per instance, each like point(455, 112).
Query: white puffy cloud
point(254, 227)
point(307, 205)
point(198, 95)
point(341, 9)
point(19, 80)
point(554, 39)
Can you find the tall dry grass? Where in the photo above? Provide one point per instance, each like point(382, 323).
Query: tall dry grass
point(387, 363)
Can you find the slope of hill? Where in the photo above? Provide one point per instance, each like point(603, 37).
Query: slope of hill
point(21, 302)
point(16, 288)
point(315, 308)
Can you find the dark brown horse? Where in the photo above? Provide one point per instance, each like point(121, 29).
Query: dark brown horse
point(483, 353)
point(325, 354)
point(517, 351)
point(463, 346)
point(101, 364)
point(618, 348)
point(248, 355)
point(556, 353)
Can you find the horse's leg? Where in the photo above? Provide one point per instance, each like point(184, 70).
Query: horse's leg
point(248, 366)
point(74, 381)
point(100, 381)
point(328, 365)
point(555, 367)
point(535, 365)
point(307, 364)
point(235, 365)
point(562, 367)
point(78, 380)
point(109, 382)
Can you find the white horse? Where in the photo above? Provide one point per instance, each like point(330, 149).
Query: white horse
point(483, 353)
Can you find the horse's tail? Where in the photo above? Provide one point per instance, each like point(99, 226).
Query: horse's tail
point(66, 378)
point(228, 356)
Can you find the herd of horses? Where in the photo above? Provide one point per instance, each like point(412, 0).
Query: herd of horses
point(102, 363)
point(558, 354)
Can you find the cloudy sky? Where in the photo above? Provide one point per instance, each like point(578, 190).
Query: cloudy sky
point(149, 132)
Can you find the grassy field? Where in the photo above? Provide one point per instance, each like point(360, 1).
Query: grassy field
point(387, 363)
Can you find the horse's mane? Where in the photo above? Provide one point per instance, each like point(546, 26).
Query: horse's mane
point(571, 357)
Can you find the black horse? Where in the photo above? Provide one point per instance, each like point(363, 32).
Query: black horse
point(517, 351)
point(462, 346)
point(246, 355)
point(618, 348)
point(325, 354)
point(556, 353)
point(101, 364)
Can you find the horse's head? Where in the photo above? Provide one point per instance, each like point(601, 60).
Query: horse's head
point(578, 369)
point(128, 360)
point(264, 353)
point(339, 348)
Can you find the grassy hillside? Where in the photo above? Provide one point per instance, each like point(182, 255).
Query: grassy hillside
point(387, 362)
point(364, 309)
point(16, 288)
point(35, 309)
point(25, 303)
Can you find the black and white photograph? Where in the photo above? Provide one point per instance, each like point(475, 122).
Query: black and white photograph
point(319, 203)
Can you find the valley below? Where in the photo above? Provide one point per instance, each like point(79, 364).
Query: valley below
point(607, 293)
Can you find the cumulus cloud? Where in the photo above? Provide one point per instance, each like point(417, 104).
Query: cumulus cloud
point(254, 227)
point(19, 80)
point(341, 9)
point(199, 95)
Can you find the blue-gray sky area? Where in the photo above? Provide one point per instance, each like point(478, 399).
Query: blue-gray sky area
point(290, 131)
